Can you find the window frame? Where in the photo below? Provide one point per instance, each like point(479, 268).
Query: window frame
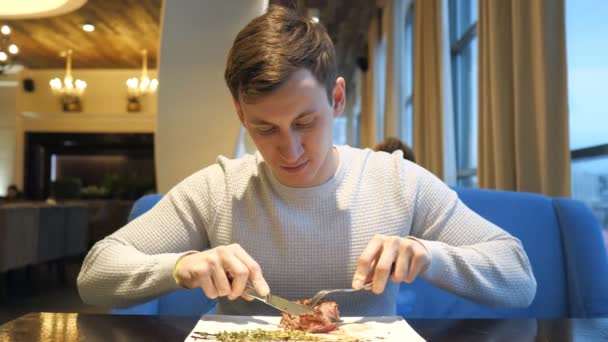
point(466, 174)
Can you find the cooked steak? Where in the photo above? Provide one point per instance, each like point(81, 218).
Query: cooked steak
point(320, 320)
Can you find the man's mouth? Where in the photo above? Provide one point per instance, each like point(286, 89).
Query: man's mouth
point(295, 168)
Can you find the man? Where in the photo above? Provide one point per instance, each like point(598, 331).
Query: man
point(301, 214)
point(13, 193)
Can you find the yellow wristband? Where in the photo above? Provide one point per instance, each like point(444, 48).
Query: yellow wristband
point(176, 265)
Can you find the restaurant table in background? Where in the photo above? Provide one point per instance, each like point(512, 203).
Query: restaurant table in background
point(68, 327)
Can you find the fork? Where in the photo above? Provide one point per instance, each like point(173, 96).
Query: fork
point(317, 297)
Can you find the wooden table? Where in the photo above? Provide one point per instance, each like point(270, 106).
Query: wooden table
point(68, 327)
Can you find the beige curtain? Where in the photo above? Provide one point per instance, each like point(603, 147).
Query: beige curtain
point(523, 117)
point(368, 116)
point(428, 99)
point(393, 27)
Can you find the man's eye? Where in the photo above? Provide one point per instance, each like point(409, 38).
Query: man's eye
point(265, 131)
point(305, 124)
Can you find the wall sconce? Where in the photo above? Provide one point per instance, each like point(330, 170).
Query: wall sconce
point(69, 91)
point(139, 87)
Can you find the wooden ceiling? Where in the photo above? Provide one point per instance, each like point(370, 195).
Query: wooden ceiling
point(122, 29)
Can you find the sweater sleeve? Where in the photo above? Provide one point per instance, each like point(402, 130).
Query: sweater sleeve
point(135, 263)
point(470, 256)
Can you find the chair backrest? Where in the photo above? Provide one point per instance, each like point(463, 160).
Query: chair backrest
point(564, 244)
point(562, 238)
point(179, 303)
point(143, 204)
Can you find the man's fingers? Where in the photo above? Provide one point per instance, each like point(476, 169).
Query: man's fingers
point(255, 272)
point(239, 275)
point(208, 287)
point(366, 261)
point(418, 265)
point(383, 266)
point(220, 279)
point(402, 266)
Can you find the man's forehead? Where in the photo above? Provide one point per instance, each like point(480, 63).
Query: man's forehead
point(300, 80)
point(263, 121)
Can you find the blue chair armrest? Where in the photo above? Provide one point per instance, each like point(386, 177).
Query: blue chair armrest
point(178, 303)
point(147, 308)
point(586, 259)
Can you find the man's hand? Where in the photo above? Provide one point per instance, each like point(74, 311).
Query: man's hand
point(211, 270)
point(401, 258)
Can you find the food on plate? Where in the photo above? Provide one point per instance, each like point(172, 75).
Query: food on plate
point(321, 320)
point(256, 335)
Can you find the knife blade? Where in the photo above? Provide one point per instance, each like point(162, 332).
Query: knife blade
point(280, 303)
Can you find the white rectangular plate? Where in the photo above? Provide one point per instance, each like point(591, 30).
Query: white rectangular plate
point(389, 328)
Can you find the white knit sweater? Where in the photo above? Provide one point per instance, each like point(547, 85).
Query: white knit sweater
point(307, 239)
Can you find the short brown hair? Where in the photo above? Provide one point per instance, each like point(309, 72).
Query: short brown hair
point(272, 47)
point(392, 144)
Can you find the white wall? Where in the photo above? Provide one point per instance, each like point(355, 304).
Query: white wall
point(196, 117)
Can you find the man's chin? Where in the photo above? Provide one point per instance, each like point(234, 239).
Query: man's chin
point(295, 183)
point(295, 180)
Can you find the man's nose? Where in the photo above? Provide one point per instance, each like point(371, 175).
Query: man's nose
point(291, 147)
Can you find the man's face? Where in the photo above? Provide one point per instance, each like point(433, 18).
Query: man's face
point(292, 128)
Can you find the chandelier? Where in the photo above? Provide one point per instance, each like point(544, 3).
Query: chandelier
point(8, 51)
point(138, 87)
point(69, 90)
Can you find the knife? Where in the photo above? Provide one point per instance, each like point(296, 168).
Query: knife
point(279, 303)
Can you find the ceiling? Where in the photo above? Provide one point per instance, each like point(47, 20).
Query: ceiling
point(122, 29)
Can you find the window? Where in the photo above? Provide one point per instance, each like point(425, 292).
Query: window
point(340, 136)
point(463, 42)
point(407, 121)
point(380, 80)
point(587, 56)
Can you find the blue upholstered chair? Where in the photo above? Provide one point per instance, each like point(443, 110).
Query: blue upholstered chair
point(561, 237)
point(564, 243)
point(179, 303)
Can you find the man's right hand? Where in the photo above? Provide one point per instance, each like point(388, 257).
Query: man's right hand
point(209, 270)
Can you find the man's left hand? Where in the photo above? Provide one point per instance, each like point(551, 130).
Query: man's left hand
point(403, 259)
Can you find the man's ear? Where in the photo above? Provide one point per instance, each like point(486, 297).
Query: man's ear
point(239, 112)
point(339, 96)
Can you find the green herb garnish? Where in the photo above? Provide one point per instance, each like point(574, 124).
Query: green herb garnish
point(259, 335)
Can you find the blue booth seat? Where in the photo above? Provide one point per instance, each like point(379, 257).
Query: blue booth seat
point(564, 243)
point(562, 238)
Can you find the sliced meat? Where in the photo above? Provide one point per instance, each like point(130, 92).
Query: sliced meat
point(320, 320)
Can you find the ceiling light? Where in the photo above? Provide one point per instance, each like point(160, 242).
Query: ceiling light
point(8, 50)
point(30, 9)
point(88, 27)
